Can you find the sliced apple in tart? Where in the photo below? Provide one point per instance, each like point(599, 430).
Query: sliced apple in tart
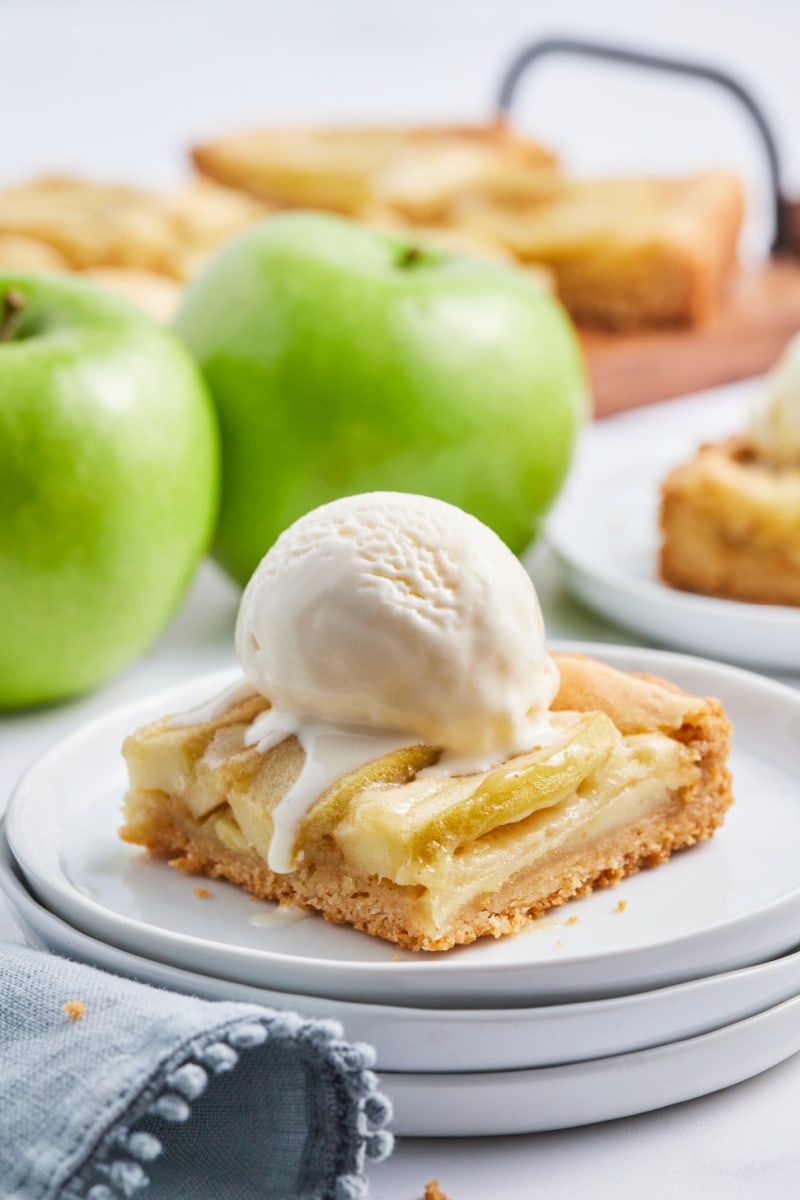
point(628, 770)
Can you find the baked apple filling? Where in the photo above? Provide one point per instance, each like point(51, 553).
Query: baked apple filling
point(404, 755)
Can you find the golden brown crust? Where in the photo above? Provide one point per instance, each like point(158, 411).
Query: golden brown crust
point(624, 252)
point(19, 252)
point(415, 171)
point(58, 222)
point(635, 703)
point(433, 1191)
point(730, 526)
point(155, 294)
point(327, 883)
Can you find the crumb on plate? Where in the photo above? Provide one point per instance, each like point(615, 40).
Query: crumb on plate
point(572, 921)
point(621, 906)
point(433, 1191)
point(202, 893)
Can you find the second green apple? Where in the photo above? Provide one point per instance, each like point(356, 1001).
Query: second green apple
point(346, 360)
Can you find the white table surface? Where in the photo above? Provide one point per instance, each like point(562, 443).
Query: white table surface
point(119, 90)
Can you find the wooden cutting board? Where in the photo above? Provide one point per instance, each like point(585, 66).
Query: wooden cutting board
point(758, 318)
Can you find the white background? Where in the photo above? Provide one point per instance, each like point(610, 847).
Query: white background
point(118, 90)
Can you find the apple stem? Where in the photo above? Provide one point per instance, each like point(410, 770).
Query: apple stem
point(409, 256)
point(13, 304)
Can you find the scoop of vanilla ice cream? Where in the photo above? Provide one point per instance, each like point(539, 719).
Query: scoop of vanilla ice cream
point(775, 419)
point(402, 613)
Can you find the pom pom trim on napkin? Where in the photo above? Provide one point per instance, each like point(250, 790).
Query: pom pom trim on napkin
point(117, 1169)
point(113, 1089)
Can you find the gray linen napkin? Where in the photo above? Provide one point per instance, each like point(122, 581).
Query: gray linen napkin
point(134, 1091)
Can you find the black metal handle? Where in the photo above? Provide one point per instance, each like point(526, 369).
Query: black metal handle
point(782, 239)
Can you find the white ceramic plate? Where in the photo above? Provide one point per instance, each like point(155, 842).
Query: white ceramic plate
point(474, 1102)
point(604, 533)
point(724, 904)
point(606, 541)
point(452, 1040)
point(503, 1102)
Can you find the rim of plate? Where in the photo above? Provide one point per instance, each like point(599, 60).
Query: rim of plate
point(396, 1022)
point(557, 530)
point(422, 969)
point(18, 896)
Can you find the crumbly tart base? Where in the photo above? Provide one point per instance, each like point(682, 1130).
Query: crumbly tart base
point(325, 882)
point(415, 172)
point(730, 526)
point(625, 253)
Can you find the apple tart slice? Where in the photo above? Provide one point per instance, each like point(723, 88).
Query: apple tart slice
point(630, 769)
point(730, 515)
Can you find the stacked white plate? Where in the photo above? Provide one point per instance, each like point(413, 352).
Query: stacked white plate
point(681, 981)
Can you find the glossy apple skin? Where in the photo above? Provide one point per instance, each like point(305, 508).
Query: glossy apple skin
point(343, 360)
point(108, 486)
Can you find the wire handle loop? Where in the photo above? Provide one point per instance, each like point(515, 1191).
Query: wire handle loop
point(577, 47)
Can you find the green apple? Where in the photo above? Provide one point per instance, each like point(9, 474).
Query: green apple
point(342, 359)
point(108, 483)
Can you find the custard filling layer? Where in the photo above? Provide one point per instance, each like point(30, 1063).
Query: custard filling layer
point(451, 838)
point(583, 789)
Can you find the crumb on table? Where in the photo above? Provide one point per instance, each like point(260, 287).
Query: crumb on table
point(74, 1009)
point(202, 893)
point(572, 921)
point(433, 1191)
point(395, 958)
point(621, 906)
